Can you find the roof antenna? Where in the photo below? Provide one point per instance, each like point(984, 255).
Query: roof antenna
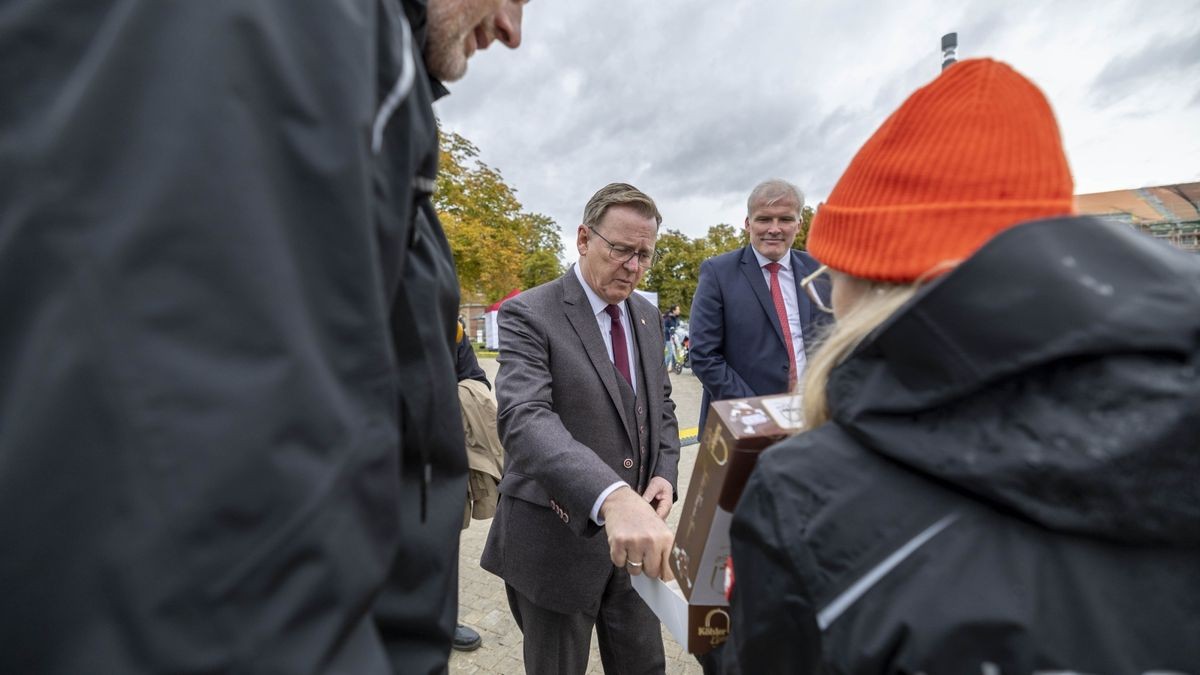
point(949, 47)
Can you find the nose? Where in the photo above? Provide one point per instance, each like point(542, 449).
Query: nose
point(632, 264)
point(508, 23)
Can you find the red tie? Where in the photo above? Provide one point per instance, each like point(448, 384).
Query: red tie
point(781, 312)
point(620, 351)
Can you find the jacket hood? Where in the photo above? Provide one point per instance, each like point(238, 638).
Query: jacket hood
point(1055, 373)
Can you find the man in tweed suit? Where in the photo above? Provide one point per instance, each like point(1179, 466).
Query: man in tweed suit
point(586, 418)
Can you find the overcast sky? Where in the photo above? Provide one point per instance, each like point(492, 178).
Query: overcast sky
point(696, 101)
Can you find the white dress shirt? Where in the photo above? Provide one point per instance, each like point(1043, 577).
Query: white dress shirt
point(787, 284)
point(604, 321)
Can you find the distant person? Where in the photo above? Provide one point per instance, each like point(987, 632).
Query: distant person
point(753, 322)
point(485, 457)
point(592, 446)
point(1000, 471)
point(670, 326)
point(227, 401)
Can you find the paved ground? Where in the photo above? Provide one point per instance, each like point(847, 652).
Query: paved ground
point(481, 600)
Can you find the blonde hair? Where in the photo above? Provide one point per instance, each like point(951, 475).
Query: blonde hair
point(879, 302)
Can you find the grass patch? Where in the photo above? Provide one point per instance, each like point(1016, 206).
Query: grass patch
point(483, 352)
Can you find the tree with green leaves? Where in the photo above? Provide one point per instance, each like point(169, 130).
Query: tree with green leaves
point(673, 275)
point(677, 270)
point(806, 216)
point(721, 239)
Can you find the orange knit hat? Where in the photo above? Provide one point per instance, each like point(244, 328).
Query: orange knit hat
point(974, 152)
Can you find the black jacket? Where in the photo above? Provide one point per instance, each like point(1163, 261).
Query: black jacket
point(228, 409)
point(670, 325)
point(466, 366)
point(1009, 485)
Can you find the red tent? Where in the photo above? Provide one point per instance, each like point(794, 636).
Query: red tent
point(491, 329)
point(495, 306)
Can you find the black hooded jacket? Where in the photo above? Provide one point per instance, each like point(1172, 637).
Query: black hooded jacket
point(1010, 483)
point(228, 408)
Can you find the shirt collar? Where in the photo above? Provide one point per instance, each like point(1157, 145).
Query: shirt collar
point(785, 263)
point(598, 305)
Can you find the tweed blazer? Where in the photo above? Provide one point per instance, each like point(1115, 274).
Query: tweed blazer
point(567, 436)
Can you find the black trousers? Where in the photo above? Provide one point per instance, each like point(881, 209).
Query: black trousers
point(630, 635)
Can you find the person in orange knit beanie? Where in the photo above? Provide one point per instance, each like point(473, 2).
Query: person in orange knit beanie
point(1002, 429)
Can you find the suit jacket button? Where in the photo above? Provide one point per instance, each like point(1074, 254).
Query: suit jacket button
point(628, 463)
point(566, 518)
point(641, 410)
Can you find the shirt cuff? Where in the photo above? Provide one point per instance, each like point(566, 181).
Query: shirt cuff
point(600, 500)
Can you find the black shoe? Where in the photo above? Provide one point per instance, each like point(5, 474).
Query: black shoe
point(465, 639)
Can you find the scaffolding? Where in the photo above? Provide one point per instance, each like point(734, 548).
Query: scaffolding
point(1170, 213)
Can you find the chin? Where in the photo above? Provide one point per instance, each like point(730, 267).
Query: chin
point(447, 67)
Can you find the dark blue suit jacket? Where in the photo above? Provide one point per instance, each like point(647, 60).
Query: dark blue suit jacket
point(737, 346)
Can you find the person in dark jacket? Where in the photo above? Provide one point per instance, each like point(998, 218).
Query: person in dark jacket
point(752, 323)
point(670, 323)
point(467, 367)
point(416, 611)
point(466, 364)
point(228, 410)
point(999, 475)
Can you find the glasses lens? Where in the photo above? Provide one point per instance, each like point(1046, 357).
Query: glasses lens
point(818, 288)
point(623, 255)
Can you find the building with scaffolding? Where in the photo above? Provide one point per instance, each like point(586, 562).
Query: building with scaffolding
point(1167, 212)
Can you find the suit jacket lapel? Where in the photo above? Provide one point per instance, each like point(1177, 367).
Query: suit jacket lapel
point(579, 313)
point(754, 277)
point(650, 356)
point(644, 339)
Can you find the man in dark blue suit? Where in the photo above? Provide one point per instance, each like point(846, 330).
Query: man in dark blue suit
point(752, 322)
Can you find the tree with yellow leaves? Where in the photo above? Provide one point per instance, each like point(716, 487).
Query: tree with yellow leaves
point(497, 246)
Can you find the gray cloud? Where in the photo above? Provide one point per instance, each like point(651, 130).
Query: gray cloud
point(696, 102)
point(1164, 58)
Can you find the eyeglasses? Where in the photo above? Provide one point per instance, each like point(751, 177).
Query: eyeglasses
point(811, 282)
point(623, 254)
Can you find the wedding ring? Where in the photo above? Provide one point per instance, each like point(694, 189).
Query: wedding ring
point(633, 564)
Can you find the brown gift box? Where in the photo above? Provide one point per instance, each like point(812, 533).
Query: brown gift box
point(693, 607)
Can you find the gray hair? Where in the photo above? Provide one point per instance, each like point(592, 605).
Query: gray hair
point(768, 192)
